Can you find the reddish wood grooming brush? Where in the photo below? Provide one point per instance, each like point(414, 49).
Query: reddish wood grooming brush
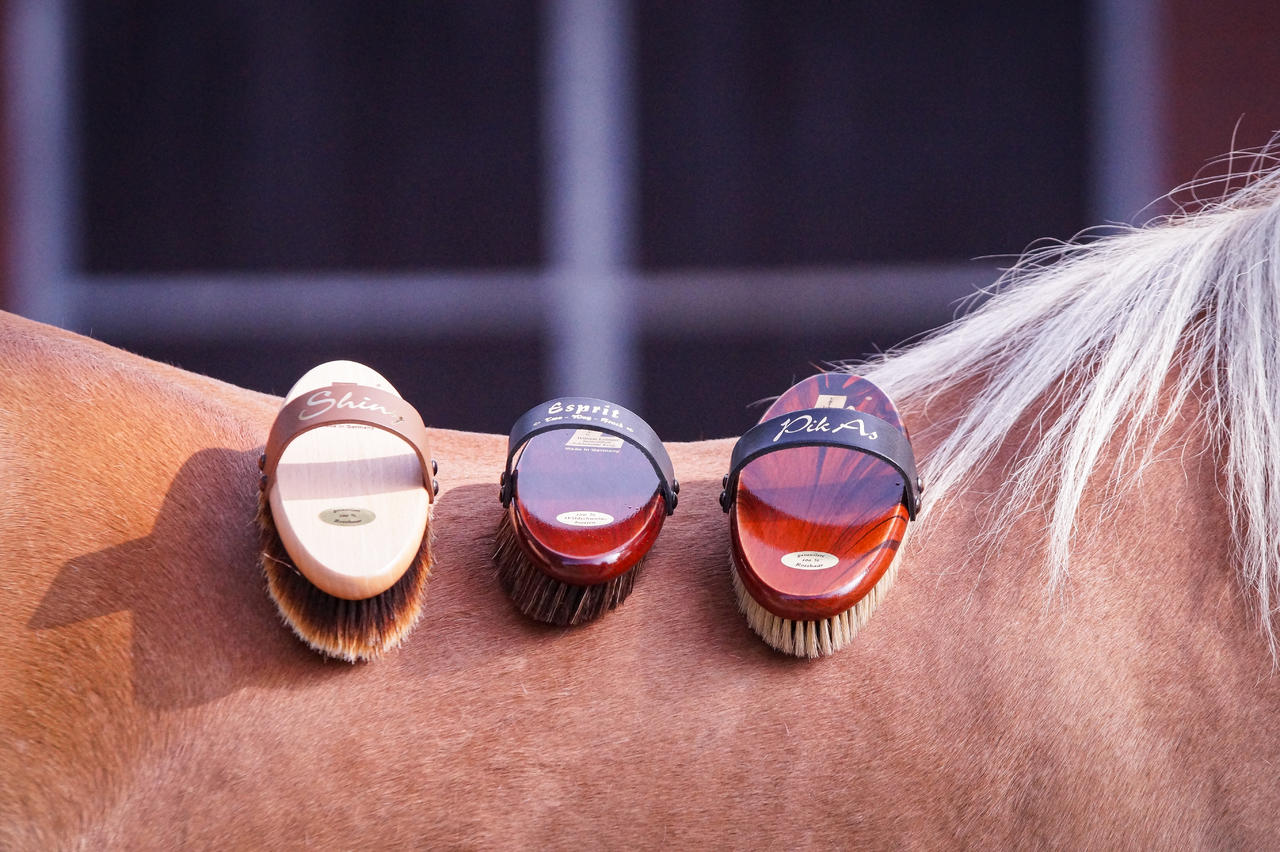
point(585, 491)
point(819, 494)
point(343, 509)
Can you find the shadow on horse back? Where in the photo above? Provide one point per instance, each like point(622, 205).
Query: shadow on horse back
point(1077, 652)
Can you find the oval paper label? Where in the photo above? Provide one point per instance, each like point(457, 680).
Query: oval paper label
point(347, 517)
point(584, 518)
point(810, 560)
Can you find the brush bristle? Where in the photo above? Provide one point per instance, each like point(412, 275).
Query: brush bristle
point(547, 599)
point(810, 639)
point(346, 629)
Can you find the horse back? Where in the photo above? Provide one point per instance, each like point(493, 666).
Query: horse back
point(151, 697)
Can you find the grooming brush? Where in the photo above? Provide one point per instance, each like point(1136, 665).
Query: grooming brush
point(819, 496)
point(344, 511)
point(586, 489)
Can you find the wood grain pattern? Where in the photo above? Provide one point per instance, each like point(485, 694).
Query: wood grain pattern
point(349, 469)
point(554, 478)
point(833, 501)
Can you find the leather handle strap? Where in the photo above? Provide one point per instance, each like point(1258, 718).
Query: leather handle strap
point(348, 402)
point(826, 427)
point(584, 412)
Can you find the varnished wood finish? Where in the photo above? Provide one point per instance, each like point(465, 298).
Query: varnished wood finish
point(826, 499)
point(553, 478)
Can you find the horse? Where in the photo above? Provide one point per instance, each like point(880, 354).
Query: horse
point(1079, 650)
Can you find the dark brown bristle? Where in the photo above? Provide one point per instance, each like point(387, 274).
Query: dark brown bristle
point(349, 630)
point(547, 599)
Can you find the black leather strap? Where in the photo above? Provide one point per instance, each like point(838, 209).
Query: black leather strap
point(826, 427)
point(582, 412)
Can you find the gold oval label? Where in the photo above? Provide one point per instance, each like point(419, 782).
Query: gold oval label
point(584, 518)
point(347, 517)
point(810, 560)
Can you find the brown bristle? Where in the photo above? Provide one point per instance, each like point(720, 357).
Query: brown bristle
point(349, 630)
point(810, 639)
point(547, 599)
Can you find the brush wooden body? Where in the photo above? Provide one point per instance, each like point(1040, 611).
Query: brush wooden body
point(585, 507)
point(815, 531)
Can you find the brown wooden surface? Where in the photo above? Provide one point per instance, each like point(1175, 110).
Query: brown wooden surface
point(553, 478)
point(828, 499)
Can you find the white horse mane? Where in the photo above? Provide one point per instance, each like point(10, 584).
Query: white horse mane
point(1106, 339)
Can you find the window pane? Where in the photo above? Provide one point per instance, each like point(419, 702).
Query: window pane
point(264, 136)
point(782, 132)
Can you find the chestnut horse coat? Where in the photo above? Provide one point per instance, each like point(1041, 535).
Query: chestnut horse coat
point(151, 698)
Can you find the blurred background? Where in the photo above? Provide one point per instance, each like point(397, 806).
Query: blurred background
point(683, 206)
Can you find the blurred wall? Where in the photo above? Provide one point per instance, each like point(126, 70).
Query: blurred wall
point(255, 187)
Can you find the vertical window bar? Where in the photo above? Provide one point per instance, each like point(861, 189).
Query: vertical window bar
point(1128, 129)
point(43, 224)
point(588, 125)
